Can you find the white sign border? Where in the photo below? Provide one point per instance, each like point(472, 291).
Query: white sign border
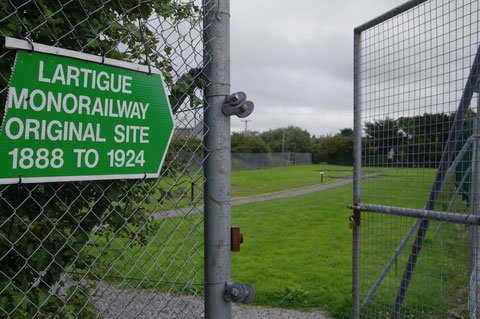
point(17, 44)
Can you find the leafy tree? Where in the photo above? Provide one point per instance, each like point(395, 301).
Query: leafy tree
point(425, 138)
point(319, 149)
point(383, 135)
point(274, 139)
point(295, 140)
point(340, 150)
point(188, 154)
point(336, 149)
point(46, 229)
point(186, 145)
point(248, 143)
point(346, 132)
point(407, 141)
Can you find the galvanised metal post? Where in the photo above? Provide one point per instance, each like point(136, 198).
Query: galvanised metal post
point(357, 177)
point(475, 230)
point(218, 162)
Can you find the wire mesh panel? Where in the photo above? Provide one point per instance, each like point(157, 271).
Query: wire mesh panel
point(416, 96)
point(241, 161)
point(111, 249)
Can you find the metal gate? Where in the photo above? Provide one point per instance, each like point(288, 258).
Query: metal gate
point(128, 248)
point(416, 235)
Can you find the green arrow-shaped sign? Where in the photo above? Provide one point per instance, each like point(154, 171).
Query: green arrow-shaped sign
point(69, 119)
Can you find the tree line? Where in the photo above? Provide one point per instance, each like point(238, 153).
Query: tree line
point(404, 141)
point(331, 149)
point(411, 141)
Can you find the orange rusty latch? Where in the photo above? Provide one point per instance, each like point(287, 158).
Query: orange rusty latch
point(236, 238)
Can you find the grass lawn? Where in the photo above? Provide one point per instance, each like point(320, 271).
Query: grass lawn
point(254, 183)
point(172, 253)
point(297, 251)
point(440, 278)
point(260, 182)
point(251, 183)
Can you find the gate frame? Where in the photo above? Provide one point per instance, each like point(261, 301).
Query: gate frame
point(422, 215)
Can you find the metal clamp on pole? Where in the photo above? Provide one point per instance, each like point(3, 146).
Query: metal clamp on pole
point(236, 238)
point(237, 104)
point(239, 292)
point(356, 217)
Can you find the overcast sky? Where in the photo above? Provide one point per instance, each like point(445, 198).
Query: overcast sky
point(294, 59)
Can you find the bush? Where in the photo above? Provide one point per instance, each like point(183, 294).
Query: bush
point(248, 143)
point(336, 150)
point(45, 229)
point(293, 139)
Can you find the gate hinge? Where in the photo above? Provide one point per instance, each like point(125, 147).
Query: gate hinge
point(237, 104)
point(239, 292)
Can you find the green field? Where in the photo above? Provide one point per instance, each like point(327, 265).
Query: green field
point(297, 251)
point(261, 182)
point(249, 183)
point(441, 275)
point(285, 254)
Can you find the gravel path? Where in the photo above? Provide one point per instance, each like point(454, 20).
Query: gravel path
point(193, 210)
point(301, 191)
point(124, 304)
point(296, 192)
point(257, 312)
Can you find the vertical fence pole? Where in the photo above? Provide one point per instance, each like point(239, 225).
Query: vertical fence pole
point(474, 230)
point(218, 161)
point(192, 192)
point(357, 175)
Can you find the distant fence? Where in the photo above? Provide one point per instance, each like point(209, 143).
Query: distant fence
point(241, 161)
point(265, 160)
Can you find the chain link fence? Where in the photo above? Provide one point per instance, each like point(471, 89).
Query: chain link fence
point(416, 249)
point(110, 249)
point(241, 161)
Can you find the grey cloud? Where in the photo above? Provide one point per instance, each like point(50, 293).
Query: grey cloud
point(295, 60)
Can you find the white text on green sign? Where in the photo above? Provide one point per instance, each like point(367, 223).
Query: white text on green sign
point(69, 119)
